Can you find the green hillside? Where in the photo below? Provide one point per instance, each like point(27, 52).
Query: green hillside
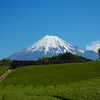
point(3, 69)
point(54, 74)
point(71, 81)
point(85, 90)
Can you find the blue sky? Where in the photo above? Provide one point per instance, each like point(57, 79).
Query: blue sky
point(23, 22)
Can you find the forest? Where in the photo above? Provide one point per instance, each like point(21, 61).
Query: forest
point(65, 56)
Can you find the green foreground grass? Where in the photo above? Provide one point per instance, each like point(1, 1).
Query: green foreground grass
point(85, 90)
point(73, 81)
point(3, 69)
point(54, 74)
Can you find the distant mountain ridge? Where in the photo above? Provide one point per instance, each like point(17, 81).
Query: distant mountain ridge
point(49, 46)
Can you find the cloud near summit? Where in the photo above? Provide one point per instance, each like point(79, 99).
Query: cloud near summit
point(94, 46)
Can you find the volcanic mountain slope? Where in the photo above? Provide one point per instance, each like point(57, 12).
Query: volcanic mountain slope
point(49, 46)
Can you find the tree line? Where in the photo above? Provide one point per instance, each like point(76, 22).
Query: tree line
point(20, 63)
point(5, 62)
point(65, 56)
point(61, 58)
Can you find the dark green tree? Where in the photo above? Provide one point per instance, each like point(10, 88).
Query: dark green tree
point(99, 52)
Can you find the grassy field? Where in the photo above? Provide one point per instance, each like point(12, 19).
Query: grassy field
point(3, 69)
point(54, 74)
point(72, 81)
point(84, 90)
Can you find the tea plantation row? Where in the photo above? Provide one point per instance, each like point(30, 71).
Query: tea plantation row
point(85, 90)
point(54, 74)
point(71, 81)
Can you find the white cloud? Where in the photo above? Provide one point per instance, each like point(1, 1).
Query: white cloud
point(94, 46)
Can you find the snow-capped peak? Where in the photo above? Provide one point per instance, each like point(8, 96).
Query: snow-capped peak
point(49, 46)
point(54, 44)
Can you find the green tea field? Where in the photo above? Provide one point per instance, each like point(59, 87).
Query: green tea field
point(71, 81)
point(3, 69)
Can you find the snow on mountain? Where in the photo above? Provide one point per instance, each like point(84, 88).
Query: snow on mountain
point(52, 44)
point(47, 47)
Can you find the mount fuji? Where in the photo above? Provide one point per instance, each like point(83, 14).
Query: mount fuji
point(49, 46)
